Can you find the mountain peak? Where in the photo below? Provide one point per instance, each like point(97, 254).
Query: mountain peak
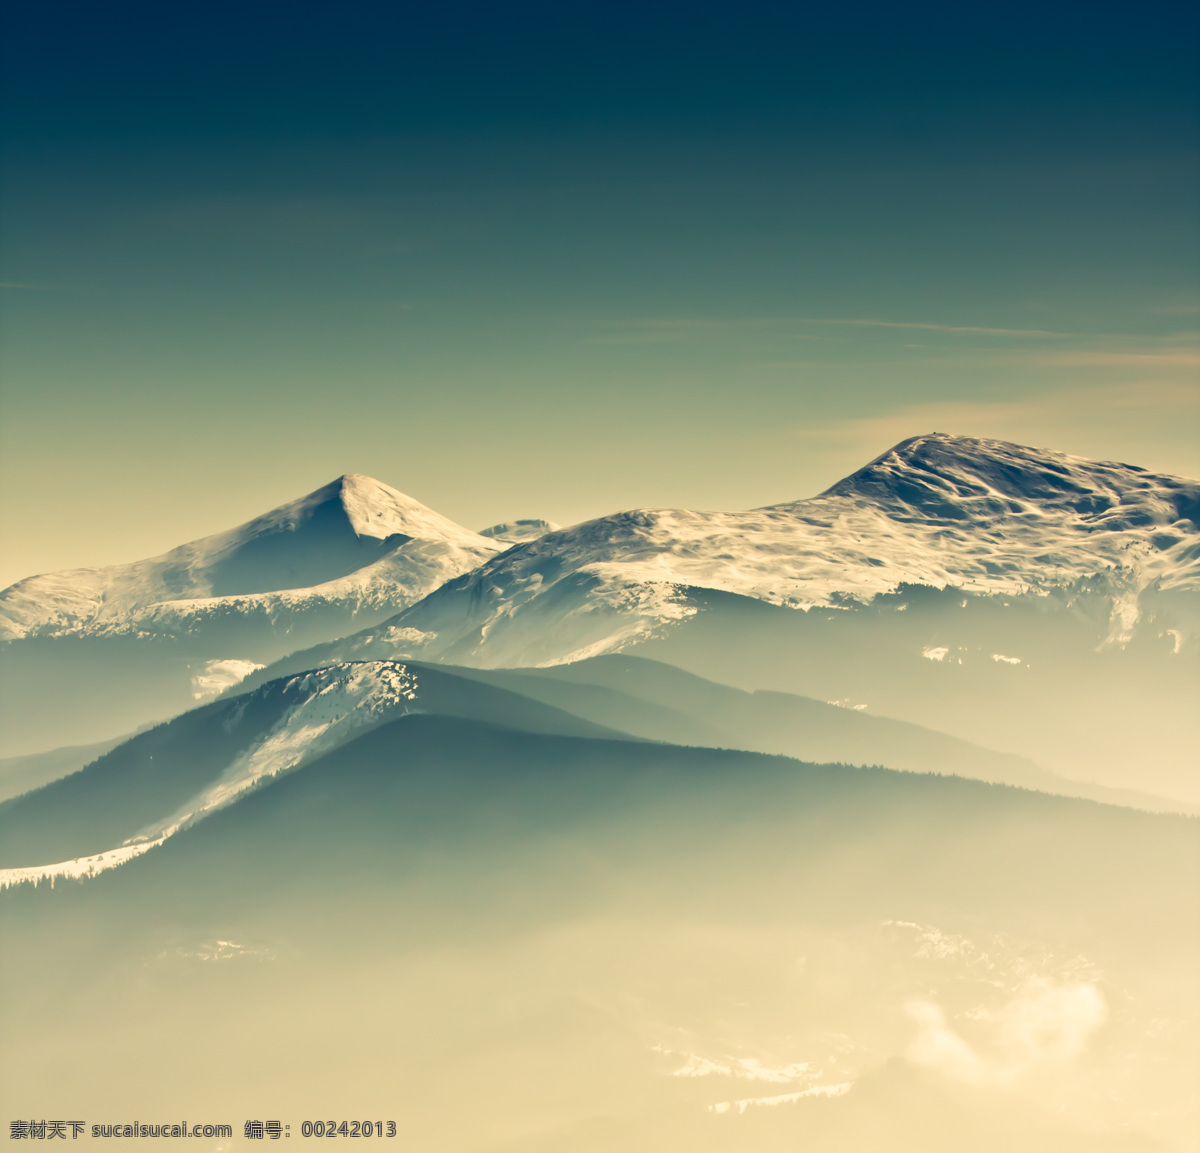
point(956, 478)
point(339, 529)
point(374, 509)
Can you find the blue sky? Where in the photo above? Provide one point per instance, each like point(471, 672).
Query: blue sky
point(557, 260)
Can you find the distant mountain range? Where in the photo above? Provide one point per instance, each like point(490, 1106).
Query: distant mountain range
point(1016, 598)
point(1009, 596)
point(133, 797)
point(980, 516)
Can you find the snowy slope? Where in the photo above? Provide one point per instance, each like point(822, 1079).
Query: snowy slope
point(278, 727)
point(980, 515)
point(171, 776)
point(352, 544)
point(324, 709)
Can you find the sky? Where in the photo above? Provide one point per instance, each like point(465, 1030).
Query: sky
point(557, 260)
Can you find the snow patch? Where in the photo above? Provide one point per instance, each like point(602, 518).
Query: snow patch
point(937, 945)
point(217, 676)
point(331, 703)
point(217, 950)
point(78, 867)
point(697, 1066)
point(744, 1068)
point(394, 635)
point(782, 1099)
point(519, 531)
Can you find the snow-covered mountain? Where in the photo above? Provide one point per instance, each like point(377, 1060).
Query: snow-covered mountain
point(1056, 560)
point(1021, 599)
point(354, 544)
point(355, 547)
point(983, 516)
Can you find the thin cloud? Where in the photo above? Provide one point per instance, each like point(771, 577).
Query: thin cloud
point(1179, 359)
point(650, 329)
point(982, 358)
point(657, 329)
point(663, 337)
point(1189, 307)
point(1043, 1027)
point(927, 326)
point(1154, 399)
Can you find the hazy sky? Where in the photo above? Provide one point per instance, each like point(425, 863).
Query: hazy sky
point(556, 260)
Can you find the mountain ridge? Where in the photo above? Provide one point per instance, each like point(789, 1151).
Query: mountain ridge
point(1104, 555)
point(927, 512)
point(983, 515)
